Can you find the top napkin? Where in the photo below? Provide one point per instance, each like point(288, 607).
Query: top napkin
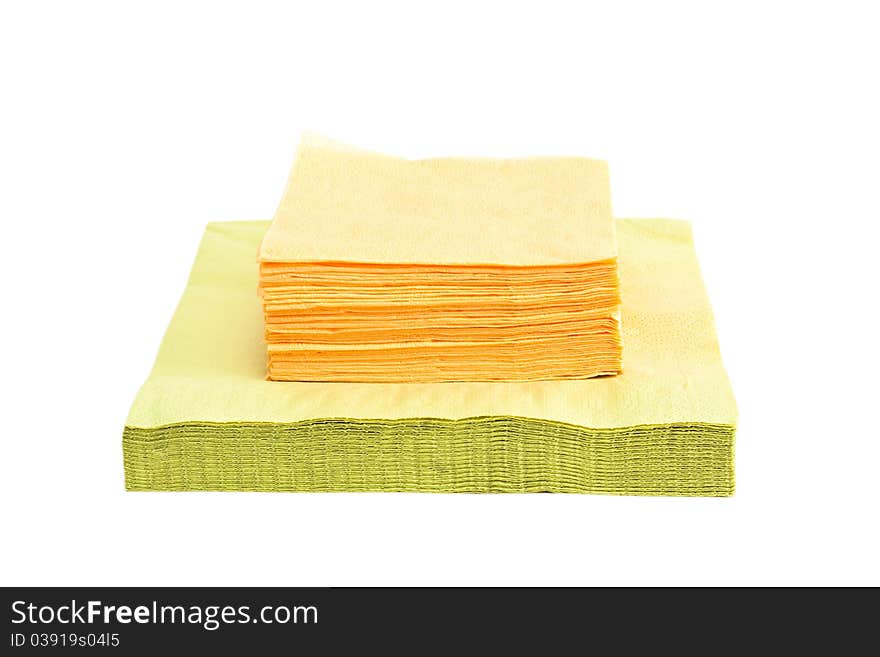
point(346, 205)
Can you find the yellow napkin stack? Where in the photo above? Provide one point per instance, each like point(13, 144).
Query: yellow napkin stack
point(207, 419)
point(379, 269)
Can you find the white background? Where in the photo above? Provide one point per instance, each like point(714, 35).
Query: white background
point(126, 127)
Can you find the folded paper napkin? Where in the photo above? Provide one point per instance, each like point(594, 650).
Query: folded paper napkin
point(464, 269)
point(207, 419)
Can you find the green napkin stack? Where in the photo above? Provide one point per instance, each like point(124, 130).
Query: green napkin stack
point(207, 418)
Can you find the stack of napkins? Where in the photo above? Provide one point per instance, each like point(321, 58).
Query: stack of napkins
point(379, 269)
point(207, 418)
